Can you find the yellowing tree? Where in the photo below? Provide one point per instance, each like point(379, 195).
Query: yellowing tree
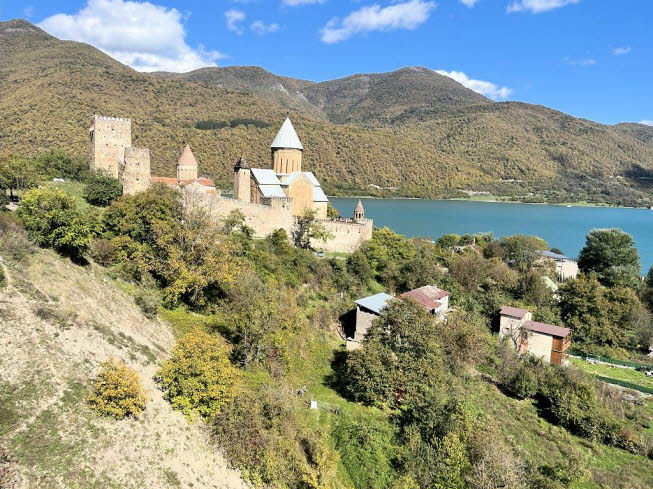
point(117, 391)
point(198, 378)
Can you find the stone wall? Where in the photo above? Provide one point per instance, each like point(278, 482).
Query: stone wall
point(286, 161)
point(273, 214)
point(348, 235)
point(136, 171)
point(109, 138)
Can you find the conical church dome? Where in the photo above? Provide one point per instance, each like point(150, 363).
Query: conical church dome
point(287, 137)
point(187, 158)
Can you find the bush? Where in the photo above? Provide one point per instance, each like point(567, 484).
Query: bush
point(103, 252)
point(52, 219)
point(58, 164)
point(148, 301)
point(117, 391)
point(14, 242)
point(102, 189)
point(198, 379)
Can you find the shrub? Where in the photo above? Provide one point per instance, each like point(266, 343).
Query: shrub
point(148, 301)
point(14, 242)
point(102, 189)
point(199, 380)
point(103, 252)
point(52, 219)
point(117, 391)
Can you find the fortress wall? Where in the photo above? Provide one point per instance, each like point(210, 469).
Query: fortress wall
point(348, 235)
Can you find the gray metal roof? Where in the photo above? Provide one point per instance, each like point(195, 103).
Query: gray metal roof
point(312, 178)
point(319, 195)
point(271, 191)
point(287, 137)
point(555, 256)
point(265, 176)
point(374, 303)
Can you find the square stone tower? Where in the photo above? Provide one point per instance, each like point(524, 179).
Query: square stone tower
point(135, 174)
point(110, 136)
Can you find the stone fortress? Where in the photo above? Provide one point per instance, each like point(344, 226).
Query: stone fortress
point(269, 198)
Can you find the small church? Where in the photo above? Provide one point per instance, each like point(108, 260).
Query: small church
point(284, 180)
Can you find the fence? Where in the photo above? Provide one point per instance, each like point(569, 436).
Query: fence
point(622, 363)
point(628, 385)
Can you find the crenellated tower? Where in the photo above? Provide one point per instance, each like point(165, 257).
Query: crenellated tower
point(109, 136)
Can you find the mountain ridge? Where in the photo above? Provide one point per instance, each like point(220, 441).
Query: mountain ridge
point(50, 88)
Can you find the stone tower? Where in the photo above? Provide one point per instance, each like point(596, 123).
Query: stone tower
point(242, 178)
point(286, 150)
point(359, 211)
point(135, 175)
point(187, 165)
point(109, 138)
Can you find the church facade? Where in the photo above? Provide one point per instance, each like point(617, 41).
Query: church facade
point(269, 198)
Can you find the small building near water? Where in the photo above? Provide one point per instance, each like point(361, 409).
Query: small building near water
point(566, 267)
point(433, 299)
point(546, 341)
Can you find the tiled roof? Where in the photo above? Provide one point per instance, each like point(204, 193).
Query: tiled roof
point(265, 176)
point(287, 137)
point(513, 312)
point(374, 303)
point(312, 178)
point(429, 296)
point(548, 329)
point(359, 206)
point(207, 182)
point(187, 158)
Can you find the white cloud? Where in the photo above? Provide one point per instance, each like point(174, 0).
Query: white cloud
point(538, 6)
point(261, 28)
point(145, 36)
point(581, 61)
point(406, 15)
point(489, 89)
point(646, 123)
point(621, 51)
point(235, 20)
point(469, 3)
point(295, 3)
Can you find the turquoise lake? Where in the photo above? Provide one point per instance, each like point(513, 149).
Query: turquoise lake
point(562, 227)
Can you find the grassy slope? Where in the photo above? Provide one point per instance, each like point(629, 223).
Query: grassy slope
point(50, 88)
point(59, 322)
point(614, 372)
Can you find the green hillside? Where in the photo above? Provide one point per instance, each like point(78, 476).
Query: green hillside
point(437, 147)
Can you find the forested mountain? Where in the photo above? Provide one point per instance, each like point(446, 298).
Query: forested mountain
point(411, 132)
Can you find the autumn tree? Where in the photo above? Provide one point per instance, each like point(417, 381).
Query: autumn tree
point(198, 379)
point(117, 391)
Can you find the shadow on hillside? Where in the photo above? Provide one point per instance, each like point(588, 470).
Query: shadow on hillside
point(642, 177)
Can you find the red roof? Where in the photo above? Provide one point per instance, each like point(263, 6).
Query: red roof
point(428, 296)
point(514, 312)
point(207, 182)
point(549, 329)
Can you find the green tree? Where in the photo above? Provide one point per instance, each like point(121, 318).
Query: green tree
point(522, 250)
point(17, 175)
point(401, 357)
point(58, 164)
point(52, 219)
point(307, 229)
point(332, 212)
point(102, 189)
point(198, 379)
point(611, 254)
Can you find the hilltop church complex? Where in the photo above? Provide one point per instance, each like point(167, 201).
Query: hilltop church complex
point(269, 198)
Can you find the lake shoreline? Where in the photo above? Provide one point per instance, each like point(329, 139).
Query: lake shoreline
point(490, 201)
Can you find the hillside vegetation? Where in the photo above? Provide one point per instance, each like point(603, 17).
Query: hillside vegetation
point(409, 133)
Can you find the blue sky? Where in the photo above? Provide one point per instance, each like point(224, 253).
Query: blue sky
point(589, 58)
